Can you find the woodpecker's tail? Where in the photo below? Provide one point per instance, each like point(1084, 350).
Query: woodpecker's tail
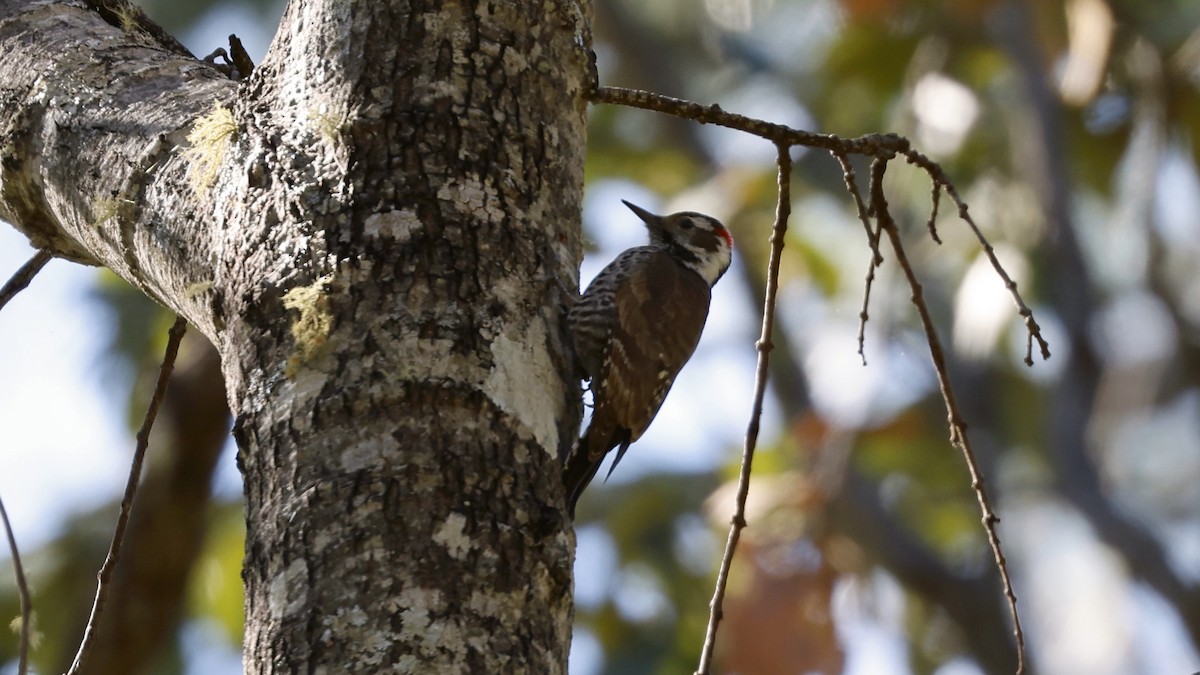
point(584, 461)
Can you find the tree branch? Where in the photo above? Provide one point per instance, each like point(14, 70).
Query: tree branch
point(958, 428)
point(940, 180)
point(864, 216)
point(856, 510)
point(170, 516)
point(738, 522)
point(94, 117)
point(22, 593)
point(21, 278)
point(175, 335)
point(872, 144)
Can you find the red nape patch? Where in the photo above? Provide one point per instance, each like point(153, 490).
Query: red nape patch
point(723, 233)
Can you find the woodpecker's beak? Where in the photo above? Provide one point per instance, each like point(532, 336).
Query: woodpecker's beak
point(647, 217)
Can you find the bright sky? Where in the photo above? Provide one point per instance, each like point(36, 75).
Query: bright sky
point(63, 446)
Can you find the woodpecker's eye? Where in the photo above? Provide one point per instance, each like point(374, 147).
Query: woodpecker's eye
point(686, 224)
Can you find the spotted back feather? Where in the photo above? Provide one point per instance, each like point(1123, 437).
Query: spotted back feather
point(635, 327)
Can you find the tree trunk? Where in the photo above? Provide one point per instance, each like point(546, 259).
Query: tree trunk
point(379, 230)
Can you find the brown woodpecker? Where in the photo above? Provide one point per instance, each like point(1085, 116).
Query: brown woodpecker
point(636, 325)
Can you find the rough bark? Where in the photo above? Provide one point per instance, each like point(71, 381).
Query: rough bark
point(378, 236)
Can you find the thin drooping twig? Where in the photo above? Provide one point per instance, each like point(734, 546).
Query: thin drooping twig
point(860, 206)
point(18, 282)
point(935, 197)
point(104, 577)
point(22, 592)
point(958, 428)
point(864, 216)
point(21, 278)
point(738, 522)
point(873, 237)
point(940, 179)
point(863, 314)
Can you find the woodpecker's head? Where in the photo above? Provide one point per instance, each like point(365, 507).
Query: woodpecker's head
point(700, 242)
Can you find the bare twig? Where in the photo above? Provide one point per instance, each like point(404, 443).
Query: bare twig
point(864, 215)
point(863, 314)
point(22, 592)
point(873, 238)
point(958, 428)
point(935, 197)
point(21, 278)
point(860, 206)
point(939, 179)
point(738, 521)
point(174, 337)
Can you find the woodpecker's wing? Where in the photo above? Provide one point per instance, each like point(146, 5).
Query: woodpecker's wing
point(635, 327)
point(661, 309)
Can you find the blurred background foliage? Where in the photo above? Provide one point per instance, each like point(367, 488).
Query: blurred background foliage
point(1070, 126)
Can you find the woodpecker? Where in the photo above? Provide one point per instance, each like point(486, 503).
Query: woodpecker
point(636, 325)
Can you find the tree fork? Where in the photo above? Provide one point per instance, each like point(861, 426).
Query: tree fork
point(380, 256)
